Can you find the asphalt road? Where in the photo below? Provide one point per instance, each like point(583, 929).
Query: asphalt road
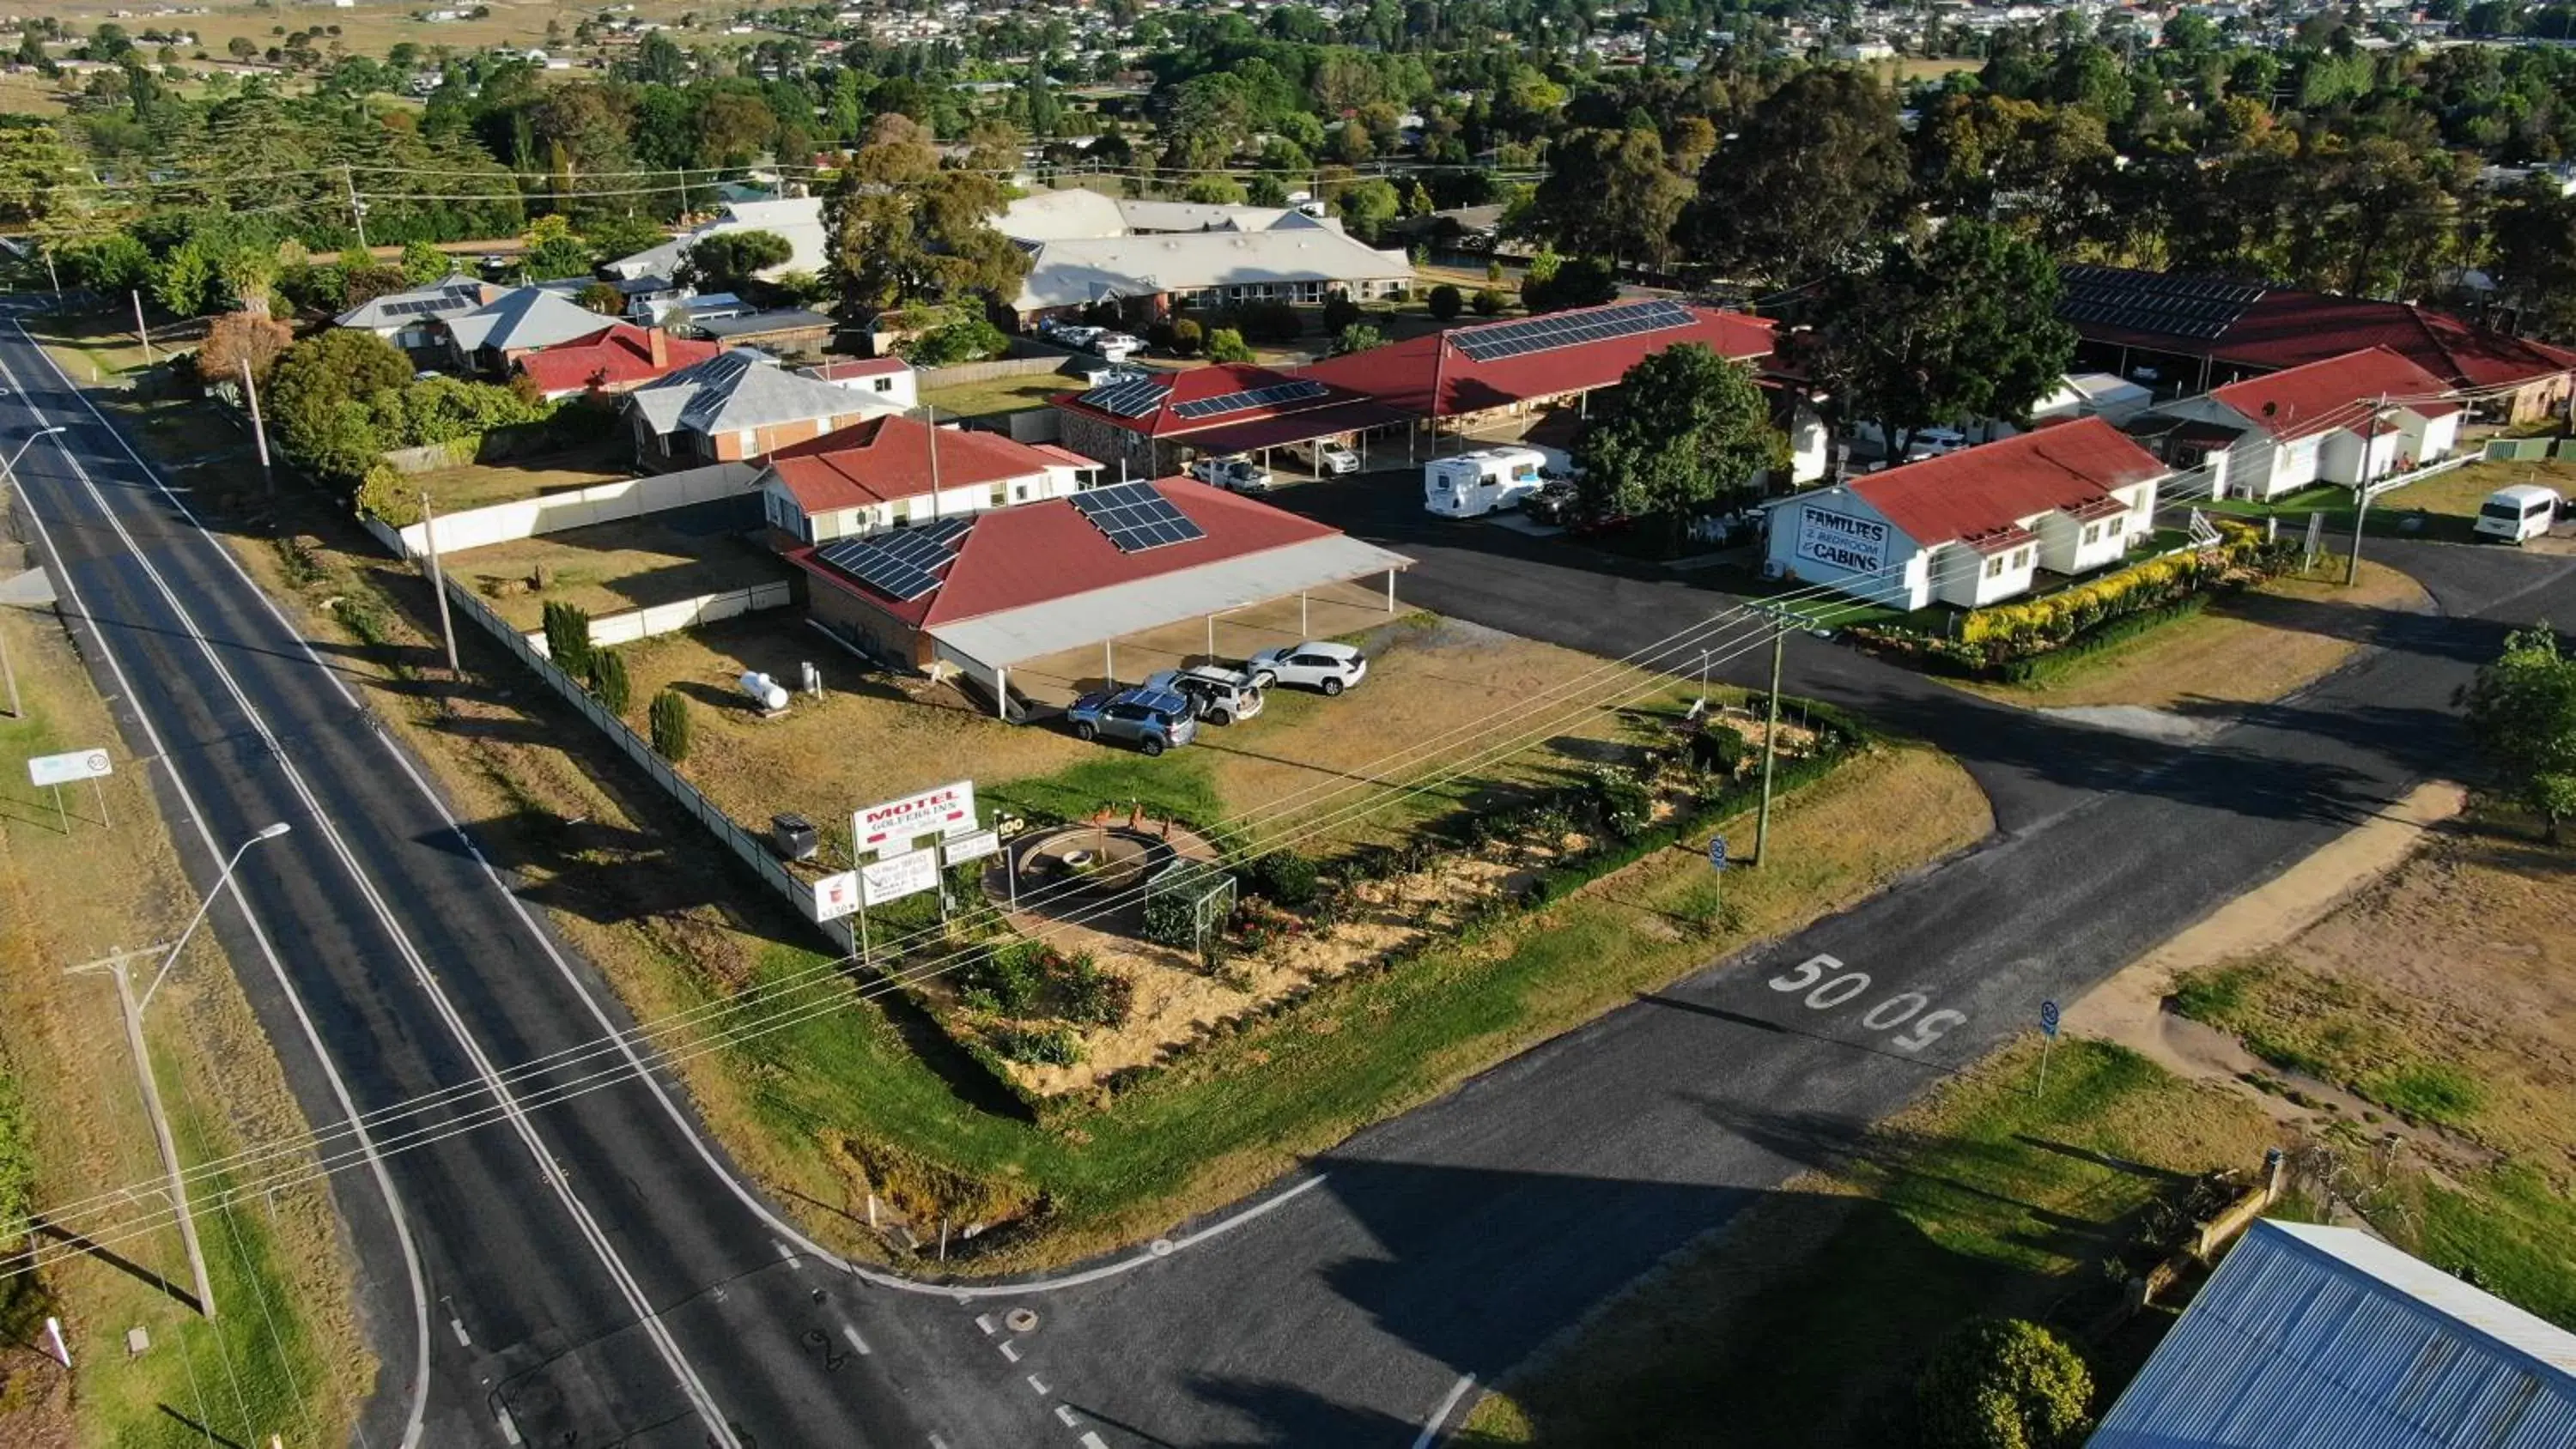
point(591, 1270)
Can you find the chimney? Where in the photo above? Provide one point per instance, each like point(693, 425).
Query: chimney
point(658, 343)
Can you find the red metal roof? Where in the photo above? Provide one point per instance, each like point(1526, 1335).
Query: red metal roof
point(1037, 553)
point(1199, 384)
point(2289, 329)
point(614, 357)
point(1405, 374)
point(1992, 487)
point(1280, 429)
point(887, 458)
point(2320, 397)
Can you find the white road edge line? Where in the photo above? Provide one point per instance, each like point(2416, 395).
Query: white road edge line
point(691, 1385)
point(984, 1321)
point(416, 1420)
point(1431, 1429)
point(1064, 1415)
point(1093, 1441)
point(852, 1335)
point(1037, 1384)
point(1009, 1352)
point(624, 1039)
point(509, 1426)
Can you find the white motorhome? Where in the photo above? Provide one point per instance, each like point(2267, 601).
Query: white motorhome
point(2522, 511)
point(1472, 485)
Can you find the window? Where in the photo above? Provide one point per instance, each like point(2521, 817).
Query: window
point(882, 384)
point(2117, 524)
point(2092, 533)
point(1995, 567)
point(2021, 558)
point(997, 497)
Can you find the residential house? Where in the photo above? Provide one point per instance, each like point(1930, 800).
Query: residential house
point(891, 380)
point(1205, 269)
point(895, 471)
point(736, 406)
point(2367, 415)
point(2310, 1337)
point(489, 338)
point(1977, 526)
point(409, 319)
point(790, 333)
point(616, 358)
point(1158, 424)
point(797, 219)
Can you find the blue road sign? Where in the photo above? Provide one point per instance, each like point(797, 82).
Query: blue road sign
point(1717, 851)
point(2048, 1017)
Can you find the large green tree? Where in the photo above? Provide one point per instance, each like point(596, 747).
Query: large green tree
point(1687, 429)
point(904, 231)
point(2004, 1384)
point(1962, 325)
point(724, 261)
point(1613, 194)
point(2522, 714)
point(1811, 181)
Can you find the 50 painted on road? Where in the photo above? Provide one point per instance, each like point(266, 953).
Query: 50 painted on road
point(1825, 984)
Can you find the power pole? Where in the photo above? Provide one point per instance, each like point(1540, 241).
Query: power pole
point(258, 429)
point(2361, 493)
point(357, 209)
point(1770, 743)
point(142, 334)
point(438, 581)
point(178, 1186)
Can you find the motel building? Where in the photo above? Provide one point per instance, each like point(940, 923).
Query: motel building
point(1974, 527)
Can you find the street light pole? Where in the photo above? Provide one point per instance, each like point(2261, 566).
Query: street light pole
point(9, 474)
point(132, 1007)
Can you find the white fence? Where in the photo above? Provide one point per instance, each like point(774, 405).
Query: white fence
point(752, 849)
point(581, 507)
point(681, 614)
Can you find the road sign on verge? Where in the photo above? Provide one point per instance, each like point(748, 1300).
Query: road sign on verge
point(896, 823)
point(959, 849)
point(69, 769)
point(2048, 1017)
point(1717, 851)
point(836, 896)
point(903, 875)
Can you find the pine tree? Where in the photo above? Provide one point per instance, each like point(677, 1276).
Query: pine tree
point(671, 725)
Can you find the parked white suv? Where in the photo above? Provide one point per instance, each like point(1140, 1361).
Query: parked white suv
point(1315, 664)
point(1328, 457)
point(1236, 474)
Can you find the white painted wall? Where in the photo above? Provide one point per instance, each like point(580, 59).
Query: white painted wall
point(1055, 481)
point(579, 508)
point(1973, 580)
point(1831, 537)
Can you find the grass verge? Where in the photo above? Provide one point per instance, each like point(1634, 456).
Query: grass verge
point(284, 1356)
point(1805, 1320)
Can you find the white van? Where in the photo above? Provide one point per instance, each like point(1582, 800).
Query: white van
point(2525, 510)
point(1472, 485)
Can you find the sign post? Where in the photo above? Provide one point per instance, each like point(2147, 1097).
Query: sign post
point(56, 771)
point(1717, 860)
point(2047, 1039)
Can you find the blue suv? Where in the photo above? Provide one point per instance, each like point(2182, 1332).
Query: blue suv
point(1154, 719)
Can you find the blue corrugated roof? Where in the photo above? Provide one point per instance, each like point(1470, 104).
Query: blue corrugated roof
point(2327, 1338)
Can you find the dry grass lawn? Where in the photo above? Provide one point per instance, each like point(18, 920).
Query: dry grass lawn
point(2253, 648)
point(2461, 490)
point(288, 1333)
point(476, 485)
point(611, 568)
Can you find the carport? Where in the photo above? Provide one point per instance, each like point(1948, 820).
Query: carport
point(1348, 422)
point(1316, 574)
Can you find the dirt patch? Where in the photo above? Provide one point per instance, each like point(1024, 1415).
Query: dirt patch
point(611, 568)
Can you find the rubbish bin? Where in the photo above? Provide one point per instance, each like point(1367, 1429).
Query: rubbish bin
point(794, 836)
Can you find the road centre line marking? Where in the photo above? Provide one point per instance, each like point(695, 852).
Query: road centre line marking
point(852, 1335)
point(1035, 1384)
point(1430, 1434)
point(1093, 1441)
point(1064, 1415)
point(1009, 1352)
point(984, 1321)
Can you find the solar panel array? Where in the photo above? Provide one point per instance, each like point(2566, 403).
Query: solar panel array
point(2146, 302)
point(1130, 399)
point(898, 564)
point(1258, 397)
point(1569, 329)
point(1136, 517)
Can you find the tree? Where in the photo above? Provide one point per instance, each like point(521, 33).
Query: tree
point(553, 250)
point(1445, 302)
point(966, 339)
point(1214, 191)
point(239, 337)
point(602, 298)
point(1810, 183)
point(1367, 206)
point(670, 720)
point(723, 261)
point(1581, 282)
point(903, 231)
point(1187, 336)
point(240, 47)
point(2522, 715)
point(1225, 344)
point(423, 263)
point(316, 399)
point(567, 629)
point(609, 681)
point(1612, 193)
point(1358, 337)
point(2004, 1384)
point(1488, 302)
point(1689, 427)
point(1961, 326)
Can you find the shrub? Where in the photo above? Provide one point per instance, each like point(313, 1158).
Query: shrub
point(1053, 1046)
point(1186, 336)
point(1227, 345)
point(568, 638)
point(1339, 312)
point(1626, 805)
point(1008, 975)
point(608, 680)
point(671, 725)
point(383, 495)
point(1445, 302)
point(1282, 876)
point(1489, 302)
point(1095, 997)
point(1717, 750)
point(2004, 1384)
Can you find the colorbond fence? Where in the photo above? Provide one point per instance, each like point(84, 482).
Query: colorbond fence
point(681, 614)
point(580, 507)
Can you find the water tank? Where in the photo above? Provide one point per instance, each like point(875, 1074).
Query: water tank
point(763, 691)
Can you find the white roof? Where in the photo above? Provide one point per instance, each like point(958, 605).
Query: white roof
point(1078, 215)
point(1061, 216)
point(1149, 216)
point(1001, 640)
point(1077, 272)
point(798, 219)
point(2525, 493)
point(740, 388)
point(523, 317)
point(2328, 1338)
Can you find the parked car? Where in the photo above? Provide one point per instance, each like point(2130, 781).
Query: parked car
point(1327, 457)
point(1933, 442)
point(1154, 720)
point(1315, 664)
point(1556, 504)
point(1116, 346)
point(1216, 694)
point(1237, 474)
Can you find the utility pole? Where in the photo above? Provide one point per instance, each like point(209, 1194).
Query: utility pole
point(357, 209)
point(438, 581)
point(142, 334)
point(258, 429)
point(1770, 742)
point(2362, 491)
